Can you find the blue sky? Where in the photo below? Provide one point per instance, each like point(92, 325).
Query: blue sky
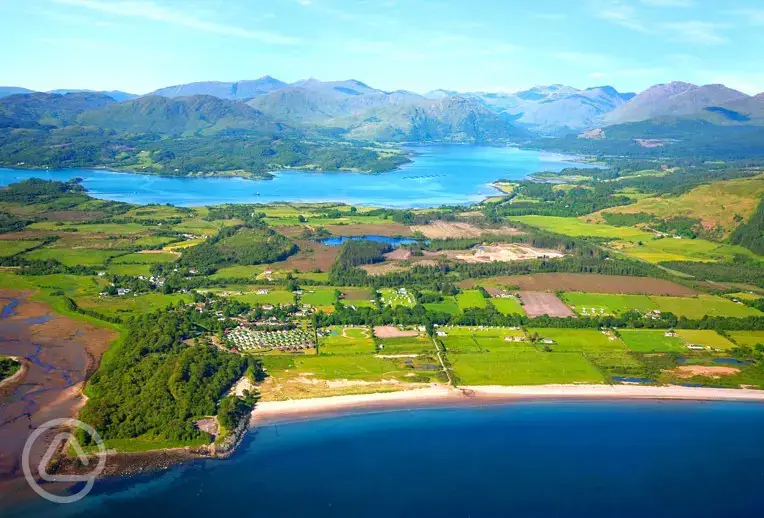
point(419, 45)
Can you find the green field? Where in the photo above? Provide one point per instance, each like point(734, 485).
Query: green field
point(347, 340)
point(273, 297)
point(9, 248)
point(471, 299)
point(507, 306)
point(117, 229)
point(459, 344)
point(651, 341)
point(447, 305)
point(129, 269)
point(152, 258)
point(575, 227)
point(523, 367)
point(578, 340)
point(129, 305)
point(406, 345)
point(248, 272)
point(743, 295)
point(748, 338)
point(351, 367)
point(668, 249)
point(706, 338)
point(589, 304)
point(697, 307)
point(72, 256)
point(318, 296)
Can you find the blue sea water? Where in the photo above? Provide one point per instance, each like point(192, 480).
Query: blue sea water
point(529, 459)
point(443, 174)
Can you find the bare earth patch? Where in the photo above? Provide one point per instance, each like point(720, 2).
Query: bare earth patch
point(399, 254)
point(393, 332)
point(383, 268)
point(505, 253)
point(450, 229)
point(312, 255)
point(209, 425)
point(538, 303)
point(689, 371)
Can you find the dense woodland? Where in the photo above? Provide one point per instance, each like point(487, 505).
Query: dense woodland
point(155, 385)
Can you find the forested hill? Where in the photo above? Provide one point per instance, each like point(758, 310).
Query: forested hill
point(200, 135)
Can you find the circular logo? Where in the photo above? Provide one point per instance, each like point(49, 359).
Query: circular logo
point(69, 440)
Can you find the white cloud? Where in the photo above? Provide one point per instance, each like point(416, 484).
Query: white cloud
point(152, 11)
point(619, 13)
point(753, 16)
point(697, 32)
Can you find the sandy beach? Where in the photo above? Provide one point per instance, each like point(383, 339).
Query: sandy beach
point(443, 395)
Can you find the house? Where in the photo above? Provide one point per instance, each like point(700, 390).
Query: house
point(695, 347)
point(262, 292)
point(441, 333)
point(670, 334)
point(547, 341)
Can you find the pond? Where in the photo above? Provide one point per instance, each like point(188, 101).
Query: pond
point(392, 241)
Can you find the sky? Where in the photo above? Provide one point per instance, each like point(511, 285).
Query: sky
point(418, 45)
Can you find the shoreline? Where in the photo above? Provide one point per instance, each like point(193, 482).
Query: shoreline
point(125, 464)
point(430, 397)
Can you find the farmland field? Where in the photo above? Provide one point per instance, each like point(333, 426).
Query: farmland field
point(507, 306)
point(447, 305)
point(9, 248)
point(138, 258)
point(72, 257)
point(585, 282)
point(347, 340)
point(274, 297)
point(129, 305)
point(696, 307)
point(748, 338)
point(523, 367)
point(667, 249)
point(470, 299)
point(318, 296)
point(706, 338)
point(589, 304)
point(128, 269)
point(651, 340)
point(576, 228)
point(405, 345)
point(586, 340)
point(239, 271)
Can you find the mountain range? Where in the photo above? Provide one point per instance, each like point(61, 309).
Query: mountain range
point(357, 111)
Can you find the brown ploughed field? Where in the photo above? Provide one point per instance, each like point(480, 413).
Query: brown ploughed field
point(539, 303)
